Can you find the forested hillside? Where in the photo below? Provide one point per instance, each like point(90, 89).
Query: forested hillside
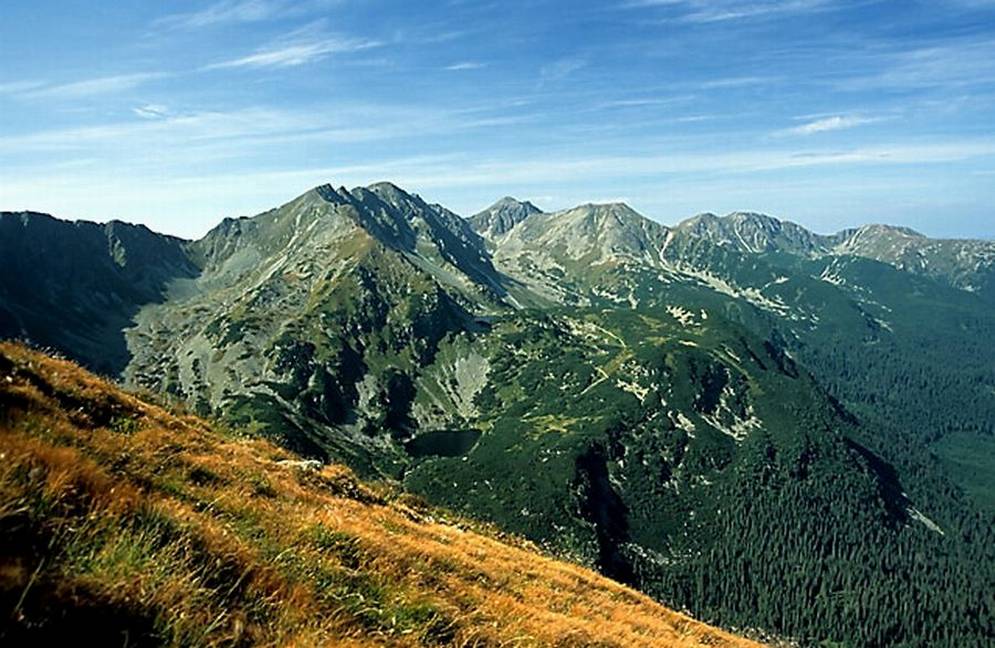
point(125, 524)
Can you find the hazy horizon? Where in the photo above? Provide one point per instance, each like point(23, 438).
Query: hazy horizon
point(831, 114)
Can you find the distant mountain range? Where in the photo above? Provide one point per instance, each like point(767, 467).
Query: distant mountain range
point(764, 426)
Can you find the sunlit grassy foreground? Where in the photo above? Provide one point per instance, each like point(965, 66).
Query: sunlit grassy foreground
point(124, 524)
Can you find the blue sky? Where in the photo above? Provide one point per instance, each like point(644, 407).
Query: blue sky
point(830, 113)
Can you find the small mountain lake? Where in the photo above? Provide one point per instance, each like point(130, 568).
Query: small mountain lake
point(442, 443)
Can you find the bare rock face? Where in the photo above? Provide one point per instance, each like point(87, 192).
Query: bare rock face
point(499, 218)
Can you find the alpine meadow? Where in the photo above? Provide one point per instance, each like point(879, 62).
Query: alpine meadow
point(595, 414)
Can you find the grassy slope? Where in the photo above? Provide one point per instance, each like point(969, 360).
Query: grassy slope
point(122, 523)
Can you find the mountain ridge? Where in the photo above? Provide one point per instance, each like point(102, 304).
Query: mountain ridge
point(967, 264)
point(103, 271)
point(652, 401)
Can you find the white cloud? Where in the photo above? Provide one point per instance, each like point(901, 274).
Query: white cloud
point(552, 170)
point(151, 111)
point(297, 54)
point(301, 46)
point(241, 11)
point(966, 63)
point(466, 65)
point(833, 123)
point(227, 11)
point(17, 87)
point(709, 11)
point(737, 82)
point(645, 101)
point(89, 87)
point(177, 138)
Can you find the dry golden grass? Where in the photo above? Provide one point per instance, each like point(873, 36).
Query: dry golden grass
point(124, 524)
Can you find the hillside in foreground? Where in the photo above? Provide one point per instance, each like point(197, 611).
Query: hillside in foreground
point(124, 524)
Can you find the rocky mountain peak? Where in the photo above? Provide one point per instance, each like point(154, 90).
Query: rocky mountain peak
point(755, 219)
point(391, 193)
point(499, 218)
point(329, 193)
point(753, 232)
point(620, 209)
point(511, 201)
point(882, 229)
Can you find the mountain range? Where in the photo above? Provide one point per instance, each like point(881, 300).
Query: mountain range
point(760, 425)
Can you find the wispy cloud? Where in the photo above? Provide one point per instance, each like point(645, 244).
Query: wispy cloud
point(239, 130)
point(306, 45)
point(178, 137)
point(228, 11)
point(550, 170)
point(466, 65)
point(832, 123)
point(953, 63)
point(644, 102)
point(89, 87)
point(434, 37)
point(17, 87)
point(561, 68)
point(241, 11)
point(451, 171)
point(712, 11)
point(737, 82)
point(151, 111)
point(296, 54)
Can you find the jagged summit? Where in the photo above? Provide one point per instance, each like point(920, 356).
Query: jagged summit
point(382, 211)
point(378, 192)
point(385, 186)
point(499, 218)
point(511, 200)
point(390, 193)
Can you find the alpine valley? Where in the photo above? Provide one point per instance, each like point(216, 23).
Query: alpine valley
point(770, 429)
